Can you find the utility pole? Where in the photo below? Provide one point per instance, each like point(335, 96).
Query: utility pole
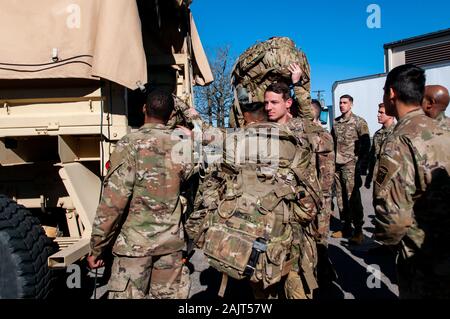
point(320, 97)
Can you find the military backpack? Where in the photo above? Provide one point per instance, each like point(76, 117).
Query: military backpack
point(249, 230)
point(261, 65)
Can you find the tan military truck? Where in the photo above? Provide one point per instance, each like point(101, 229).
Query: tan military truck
point(70, 73)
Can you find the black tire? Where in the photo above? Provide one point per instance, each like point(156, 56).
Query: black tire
point(24, 249)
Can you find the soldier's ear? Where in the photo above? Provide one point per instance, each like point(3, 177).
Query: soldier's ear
point(392, 94)
point(289, 103)
point(144, 109)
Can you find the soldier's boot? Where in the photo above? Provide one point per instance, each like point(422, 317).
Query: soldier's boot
point(326, 273)
point(357, 238)
point(346, 232)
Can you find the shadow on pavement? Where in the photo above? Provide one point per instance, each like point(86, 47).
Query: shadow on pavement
point(355, 278)
point(236, 289)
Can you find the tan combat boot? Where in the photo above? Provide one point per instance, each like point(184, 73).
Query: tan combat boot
point(346, 232)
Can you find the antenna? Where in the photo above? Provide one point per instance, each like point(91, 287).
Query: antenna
point(320, 97)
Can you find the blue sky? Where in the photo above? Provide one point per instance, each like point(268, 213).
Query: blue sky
point(333, 34)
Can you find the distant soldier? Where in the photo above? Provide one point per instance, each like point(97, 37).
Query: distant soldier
point(379, 137)
point(140, 211)
point(323, 147)
point(435, 103)
point(412, 189)
point(352, 144)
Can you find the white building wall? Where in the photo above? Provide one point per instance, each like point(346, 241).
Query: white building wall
point(368, 93)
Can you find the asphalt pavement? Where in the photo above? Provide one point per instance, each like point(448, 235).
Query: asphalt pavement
point(361, 272)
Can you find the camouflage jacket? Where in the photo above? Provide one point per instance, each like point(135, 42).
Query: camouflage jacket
point(323, 148)
point(412, 192)
point(303, 98)
point(443, 120)
point(374, 154)
point(299, 127)
point(306, 170)
point(351, 140)
point(141, 203)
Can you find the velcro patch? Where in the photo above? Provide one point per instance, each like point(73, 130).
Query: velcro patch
point(381, 175)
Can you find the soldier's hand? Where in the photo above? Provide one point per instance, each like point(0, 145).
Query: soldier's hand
point(296, 72)
point(192, 112)
point(95, 262)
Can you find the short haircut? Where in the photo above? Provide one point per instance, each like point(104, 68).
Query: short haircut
point(252, 107)
point(316, 102)
point(346, 96)
point(408, 81)
point(280, 88)
point(160, 104)
point(256, 110)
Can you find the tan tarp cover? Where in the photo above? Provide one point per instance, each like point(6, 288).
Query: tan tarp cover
point(204, 74)
point(91, 39)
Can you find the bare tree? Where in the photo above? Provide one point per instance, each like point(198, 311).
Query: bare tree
point(214, 101)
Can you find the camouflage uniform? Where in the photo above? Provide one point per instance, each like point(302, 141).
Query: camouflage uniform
point(301, 282)
point(323, 148)
point(352, 144)
point(443, 120)
point(150, 236)
point(412, 191)
point(324, 163)
point(303, 97)
point(375, 151)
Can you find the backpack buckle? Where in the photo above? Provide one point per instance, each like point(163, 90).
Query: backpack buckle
point(259, 246)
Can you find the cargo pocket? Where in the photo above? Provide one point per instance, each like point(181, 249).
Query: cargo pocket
point(196, 226)
point(275, 257)
point(117, 286)
point(228, 250)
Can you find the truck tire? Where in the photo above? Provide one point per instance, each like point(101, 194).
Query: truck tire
point(24, 249)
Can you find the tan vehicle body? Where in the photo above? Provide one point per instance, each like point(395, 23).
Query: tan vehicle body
point(68, 73)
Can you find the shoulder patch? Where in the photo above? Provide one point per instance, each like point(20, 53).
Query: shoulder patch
point(387, 169)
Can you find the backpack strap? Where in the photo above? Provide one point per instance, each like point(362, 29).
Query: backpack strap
point(223, 285)
point(239, 117)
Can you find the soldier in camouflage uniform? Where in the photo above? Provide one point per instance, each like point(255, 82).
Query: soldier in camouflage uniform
point(379, 137)
point(435, 103)
point(301, 281)
point(352, 144)
point(412, 189)
point(323, 147)
point(323, 161)
point(139, 215)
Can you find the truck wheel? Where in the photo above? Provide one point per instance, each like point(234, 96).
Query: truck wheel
point(24, 249)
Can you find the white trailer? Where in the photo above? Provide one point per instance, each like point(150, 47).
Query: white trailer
point(367, 92)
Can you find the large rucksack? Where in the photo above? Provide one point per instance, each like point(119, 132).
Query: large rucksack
point(249, 225)
point(261, 65)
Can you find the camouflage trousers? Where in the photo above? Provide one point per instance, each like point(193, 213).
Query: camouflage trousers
point(291, 286)
point(301, 281)
point(348, 182)
point(323, 220)
point(150, 277)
